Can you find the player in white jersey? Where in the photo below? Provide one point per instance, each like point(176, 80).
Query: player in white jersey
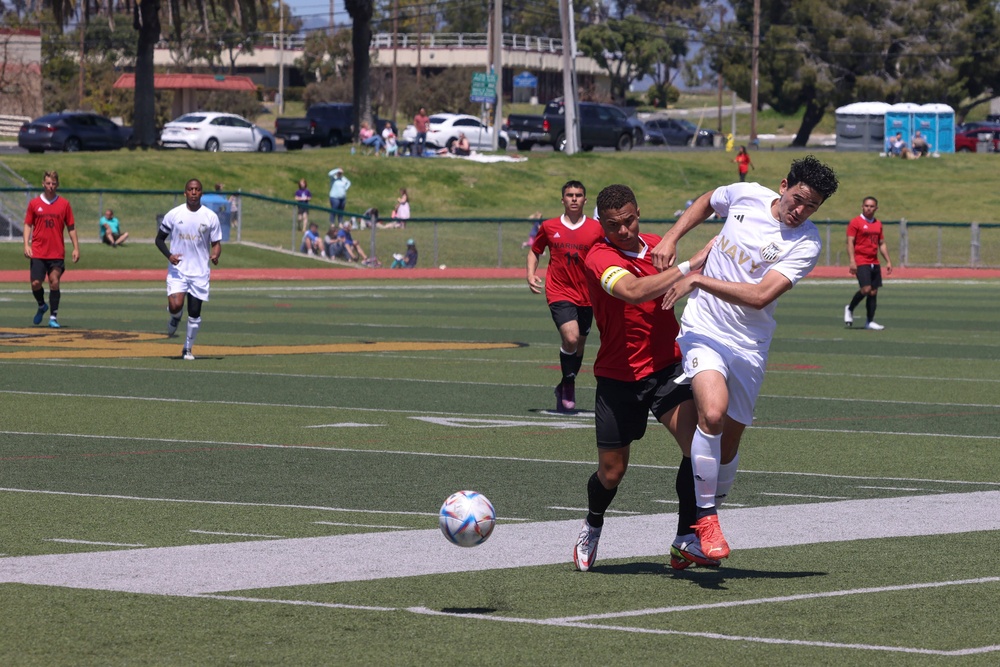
point(195, 237)
point(766, 245)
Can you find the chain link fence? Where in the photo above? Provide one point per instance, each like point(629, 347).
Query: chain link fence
point(460, 242)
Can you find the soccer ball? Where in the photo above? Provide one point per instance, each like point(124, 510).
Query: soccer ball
point(467, 518)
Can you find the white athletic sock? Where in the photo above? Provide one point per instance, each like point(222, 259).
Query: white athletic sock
point(192, 331)
point(179, 314)
point(727, 475)
point(706, 452)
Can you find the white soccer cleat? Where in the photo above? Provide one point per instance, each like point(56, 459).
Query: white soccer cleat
point(848, 316)
point(874, 326)
point(585, 551)
point(186, 355)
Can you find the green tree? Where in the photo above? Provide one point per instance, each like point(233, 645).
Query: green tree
point(818, 54)
point(626, 48)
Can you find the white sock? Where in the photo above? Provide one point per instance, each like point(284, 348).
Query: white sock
point(706, 452)
point(727, 475)
point(192, 331)
point(178, 315)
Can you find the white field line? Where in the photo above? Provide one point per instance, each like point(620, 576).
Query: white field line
point(362, 525)
point(709, 635)
point(517, 459)
point(584, 510)
point(104, 544)
point(300, 603)
point(805, 495)
point(299, 406)
point(438, 356)
point(259, 564)
point(219, 532)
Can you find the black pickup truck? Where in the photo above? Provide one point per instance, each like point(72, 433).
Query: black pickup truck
point(600, 125)
point(326, 124)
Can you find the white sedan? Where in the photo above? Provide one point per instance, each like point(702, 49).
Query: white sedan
point(445, 127)
point(213, 131)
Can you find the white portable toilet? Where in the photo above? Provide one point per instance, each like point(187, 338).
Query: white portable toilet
point(861, 126)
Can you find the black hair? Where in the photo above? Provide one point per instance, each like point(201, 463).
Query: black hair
point(815, 174)
point(872, 198)
point(615, 197)
point(574, 184)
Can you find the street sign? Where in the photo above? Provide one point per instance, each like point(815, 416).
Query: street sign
point(484, 87)
point(525, 80)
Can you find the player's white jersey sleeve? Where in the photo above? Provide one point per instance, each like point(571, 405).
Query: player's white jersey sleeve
point(751, 243)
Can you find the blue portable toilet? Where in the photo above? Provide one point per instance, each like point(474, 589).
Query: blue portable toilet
point(899, 119)
point(861, 126)
point(937, 123)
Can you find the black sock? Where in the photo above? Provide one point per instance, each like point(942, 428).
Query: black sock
point(598, 500)
point(870, 306)
point(39, 295)
point(577, 363)
point(856, 300)
point(568, 364)
point(54, 301)
point(687, 512)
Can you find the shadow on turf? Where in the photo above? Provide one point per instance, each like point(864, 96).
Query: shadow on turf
point(706, 577)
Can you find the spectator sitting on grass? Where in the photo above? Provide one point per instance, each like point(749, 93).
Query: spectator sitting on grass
point(111, 233)
point(407, 261)
point(312, 244)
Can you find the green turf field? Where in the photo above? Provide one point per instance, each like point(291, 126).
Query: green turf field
point(274, 501)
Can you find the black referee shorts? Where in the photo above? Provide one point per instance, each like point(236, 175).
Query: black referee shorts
point(869, 274)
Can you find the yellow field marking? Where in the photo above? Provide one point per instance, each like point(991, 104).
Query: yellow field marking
point(103, 344)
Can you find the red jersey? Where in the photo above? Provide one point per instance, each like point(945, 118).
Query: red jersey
point(568, 246)
point(743, 162)
point(867, 238)
point(47, 222)
point(636, 340)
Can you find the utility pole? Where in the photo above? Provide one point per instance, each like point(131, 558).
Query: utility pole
point(281, 57)
point(722, 14)
point(755, 72)
point(80, 28)
point(395, 48)
point(420, 39)
point(331, 17)
point(572, 129)
point(496, 67)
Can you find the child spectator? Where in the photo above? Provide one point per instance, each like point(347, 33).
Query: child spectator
point(401, 212)
point(389, 137)
point(407, 261)
point(303, 196)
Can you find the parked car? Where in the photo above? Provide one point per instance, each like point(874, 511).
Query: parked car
point(73, 131)
point(967, 139)
point(444, 129)
point(653, 136)
point(325, 124)
point(213, 131)
point(680, 132)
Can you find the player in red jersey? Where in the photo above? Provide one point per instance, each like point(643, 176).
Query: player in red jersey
point(568, 239)
point(638, 369)
point(864, 242)
point(47, 216)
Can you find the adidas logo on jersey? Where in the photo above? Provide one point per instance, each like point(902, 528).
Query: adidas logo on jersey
point(556, 235)
point(739, 217)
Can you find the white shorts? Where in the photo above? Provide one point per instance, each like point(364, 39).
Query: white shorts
point(743, 370)
point(196, 287)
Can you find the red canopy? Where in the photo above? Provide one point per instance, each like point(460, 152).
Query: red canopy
point(192, 82)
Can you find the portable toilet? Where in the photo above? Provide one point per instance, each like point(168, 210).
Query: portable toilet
point(937, 123)
point(861, 126)
point(899, 118)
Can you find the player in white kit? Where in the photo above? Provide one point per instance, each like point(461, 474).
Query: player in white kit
point(766, 245)
point(195, 237)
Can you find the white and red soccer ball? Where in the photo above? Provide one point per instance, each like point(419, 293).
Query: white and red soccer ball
point(467, 518)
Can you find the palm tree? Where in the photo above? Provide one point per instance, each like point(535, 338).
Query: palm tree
point(361, 36)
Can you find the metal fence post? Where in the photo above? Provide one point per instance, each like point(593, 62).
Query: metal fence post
point(974, 259)
point(435, 243)
point(940, 247)
point(828, 243)
point(904, 248)
point(294, 227)
point(499, 245)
